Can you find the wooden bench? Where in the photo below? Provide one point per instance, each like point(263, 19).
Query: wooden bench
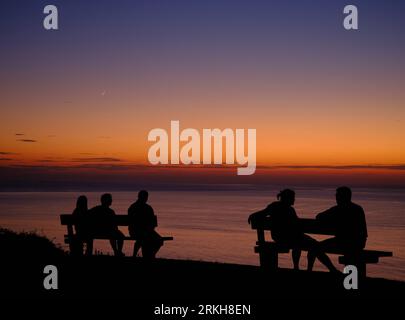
point(268, 250)
point(69, 220)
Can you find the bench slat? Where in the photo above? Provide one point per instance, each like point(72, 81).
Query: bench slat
point(68, 240)
point(119, 219)
point(268, 251)
point(365, 251)
point(285, 249)
point(366, 259)
point(312, 226)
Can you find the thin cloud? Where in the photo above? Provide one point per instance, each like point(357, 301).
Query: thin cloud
point(27, 140)
point(6, 159)
point(20, 134)
point(3, 153)
point(96, 159)
point(342, 167)
point(47, 160)
point(91, 164)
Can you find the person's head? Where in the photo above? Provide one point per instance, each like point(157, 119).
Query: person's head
point(343, 195)
point(287, 196)
point(143, 196)
point(81, 203)
point(106, 200)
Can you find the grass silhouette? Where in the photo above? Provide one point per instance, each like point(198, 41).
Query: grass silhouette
point(25, 254)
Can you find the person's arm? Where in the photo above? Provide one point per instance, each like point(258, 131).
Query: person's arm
point(112, 219)
point(154, 218)
point(259, 214)
point(363, 224)
point(325, 215)
point(149, 218)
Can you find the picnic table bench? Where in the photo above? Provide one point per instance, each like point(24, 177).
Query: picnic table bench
point(268, 250)
point(70, 220)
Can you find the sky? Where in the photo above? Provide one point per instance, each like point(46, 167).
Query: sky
point(327, 103)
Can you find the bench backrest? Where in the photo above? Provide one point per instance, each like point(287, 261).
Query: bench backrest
point(310, 226)
point(306, 225)
point(120, 220)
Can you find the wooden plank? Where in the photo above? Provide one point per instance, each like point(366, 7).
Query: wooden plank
point(279, 249)
point(366, 254)
point(120, 219)
point(167, 238)
point(347, 260)
point(66, 219)
point(260, 236)
point(378, 253)
point(312, 226)
point(316, 227)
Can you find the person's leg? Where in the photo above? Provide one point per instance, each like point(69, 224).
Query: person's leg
point(89, 247)
point(120, 245)
point(157, 243)
point(324, 259)
point(309, 243)
point(325, 245)
point(80, 247)
point(296, 255)
point(151, 244)
point(77, 247)
point(117, 242)
point(120, 241)
point(311, 259)
point(113, 244)
point(147, 252)
point(137, 246)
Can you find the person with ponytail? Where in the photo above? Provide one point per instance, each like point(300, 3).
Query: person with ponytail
point(285, 229)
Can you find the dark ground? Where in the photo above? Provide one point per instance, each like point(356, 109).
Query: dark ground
point(24, 256)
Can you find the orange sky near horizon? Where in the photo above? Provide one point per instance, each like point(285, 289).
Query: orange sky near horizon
point(332, 136)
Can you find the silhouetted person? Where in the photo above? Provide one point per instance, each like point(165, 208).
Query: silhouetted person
point(103, 224)
point(142, 227)
point(82, 226)
point(350, 222)
point(285, 229)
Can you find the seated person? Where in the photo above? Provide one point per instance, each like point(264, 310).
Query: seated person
point(286, 231)
point(81, 214)
point(142, 227)
point(103, 224)
point(350, 222)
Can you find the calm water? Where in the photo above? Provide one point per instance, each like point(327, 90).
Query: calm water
point(211, 225)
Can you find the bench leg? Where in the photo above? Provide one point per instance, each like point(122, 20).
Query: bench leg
point(71, 246)
point(89, 247)
point(361, 270)
point(75, 246)
point(269, 259)
point(137, 246)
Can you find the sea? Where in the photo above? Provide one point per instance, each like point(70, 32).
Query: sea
point(211, 225)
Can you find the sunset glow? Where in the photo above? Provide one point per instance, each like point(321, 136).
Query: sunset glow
point(90, 92)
